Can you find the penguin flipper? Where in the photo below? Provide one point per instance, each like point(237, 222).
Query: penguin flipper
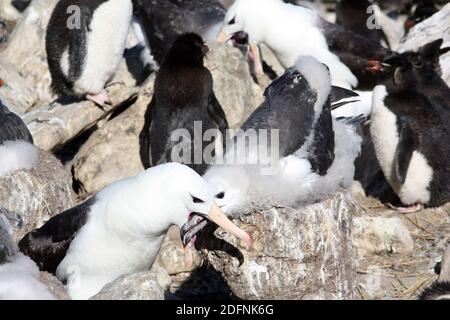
point(78, 43)
point(47, 246)
point(321, 152)
point(144, 137)
point(403, 156)
point(216, 112)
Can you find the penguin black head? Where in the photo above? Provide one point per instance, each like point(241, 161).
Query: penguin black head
point(420, 12)
point(188, 49)
point(406, 70)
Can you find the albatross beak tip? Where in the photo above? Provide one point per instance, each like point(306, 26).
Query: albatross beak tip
point(218, 217)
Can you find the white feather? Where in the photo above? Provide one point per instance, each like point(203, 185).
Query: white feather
point(290, 31)
point(105, 45)
point(385, 135)
point(127, 224)
point(386, 139)
point(417, 182)
point(146, 54)
point(292, 182)
point(19, 281)
point(17, 155)
point(318, 77)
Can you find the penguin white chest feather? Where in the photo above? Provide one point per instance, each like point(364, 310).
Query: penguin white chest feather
point(418, 179)
point(106, 42)
point(385, 135)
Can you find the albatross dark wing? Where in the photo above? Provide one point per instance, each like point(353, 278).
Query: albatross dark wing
point(47, 246)
point(12, 127)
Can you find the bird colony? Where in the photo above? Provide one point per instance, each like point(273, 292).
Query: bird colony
point(204, 149)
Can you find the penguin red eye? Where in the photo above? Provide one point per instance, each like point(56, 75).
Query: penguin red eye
point(197, 200)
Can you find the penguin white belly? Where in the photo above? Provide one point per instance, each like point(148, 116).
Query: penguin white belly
point(98, 256)
point(418, 179)
point(105, 45)
point(384, 134)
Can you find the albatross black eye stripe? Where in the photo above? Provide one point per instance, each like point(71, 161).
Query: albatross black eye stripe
point(232, 21)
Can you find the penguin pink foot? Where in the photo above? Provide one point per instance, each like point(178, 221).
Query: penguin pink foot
point(411, 209)
point(101, 99)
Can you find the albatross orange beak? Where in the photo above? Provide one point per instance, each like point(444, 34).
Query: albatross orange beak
point(223, 36)
point(218, 217)
point(256, 57)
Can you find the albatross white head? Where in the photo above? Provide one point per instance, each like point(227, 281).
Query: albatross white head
point(198, 202)
point(230, 184)
point(247, 20)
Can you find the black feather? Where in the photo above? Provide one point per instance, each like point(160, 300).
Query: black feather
point(436, 291)
point(47, 246)
point(12, 127)
point(165, 20)
point(60, 37)
point(183, 95)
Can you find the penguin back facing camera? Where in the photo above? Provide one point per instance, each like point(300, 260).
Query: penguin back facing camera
point(183, 108)
point(85, 42)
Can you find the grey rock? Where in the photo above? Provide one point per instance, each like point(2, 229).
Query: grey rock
point(112, 152)
point(54, 286)
point(16, 92)
point(301, 253)
point(139, 286)
point(171, 255)
point(37, 194)
point(55, 124)
point(445, 266)
point(380, 235)
point(26, 51)
point(233, 84)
